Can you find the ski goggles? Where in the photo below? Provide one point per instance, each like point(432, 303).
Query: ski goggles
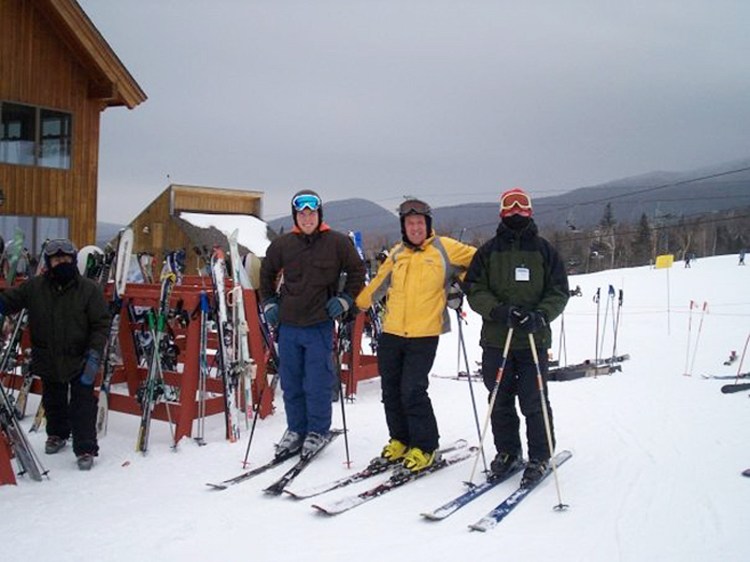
point(515, 201)
point(306, 201)
point(60, 246)
point(414, 207)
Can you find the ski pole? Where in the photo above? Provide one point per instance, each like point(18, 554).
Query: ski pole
point(596, 344)
point(698, 337)
point(690, 330)
point(271, 357)
point(547, 427)
point(493, 396)
point(616, 327)
point(742, 360)
point(609, 304)
point(563, 347)
point(462, 346)
point(342, 397)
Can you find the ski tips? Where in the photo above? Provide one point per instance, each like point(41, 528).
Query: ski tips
point(212, 486)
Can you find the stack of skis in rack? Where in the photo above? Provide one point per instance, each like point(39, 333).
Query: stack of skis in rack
point(600, 364)
point(12, 408)
point(232, 361)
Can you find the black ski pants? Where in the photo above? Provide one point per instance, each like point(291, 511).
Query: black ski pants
point(70, 408)
point(519, 379)
point(404, 365)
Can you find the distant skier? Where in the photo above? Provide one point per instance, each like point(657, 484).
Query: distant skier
point(517, 280)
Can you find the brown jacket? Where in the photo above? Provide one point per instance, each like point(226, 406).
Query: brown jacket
point(311, 267)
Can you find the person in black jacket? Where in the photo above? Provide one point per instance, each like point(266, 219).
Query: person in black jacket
point(517, 280)
point(309, 262)
point(69, 324)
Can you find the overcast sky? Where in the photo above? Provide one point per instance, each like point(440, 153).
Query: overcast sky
point(451, 101)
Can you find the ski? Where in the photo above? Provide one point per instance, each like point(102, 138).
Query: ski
point(746, 472)
point(506, 506)
point(727, 377)
point(461, 376)
point(26, 457)
point(226, 352)
point(274, 462)
point(378, 465)
point(153, 387)
point(240, 328)
point(450, 507)
point(277, 487)
point(396, 480)
point(732, 388)
point(122, 257)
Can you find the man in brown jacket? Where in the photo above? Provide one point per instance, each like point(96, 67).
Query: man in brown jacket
point(308, 262)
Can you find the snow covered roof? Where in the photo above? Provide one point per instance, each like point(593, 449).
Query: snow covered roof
point(253, 232)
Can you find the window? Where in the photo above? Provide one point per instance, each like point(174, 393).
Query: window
point(36, 230)
point(34, 136)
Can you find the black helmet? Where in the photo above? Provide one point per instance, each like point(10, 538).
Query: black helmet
point(306, 199)
point(415, 207)
point(59, 247)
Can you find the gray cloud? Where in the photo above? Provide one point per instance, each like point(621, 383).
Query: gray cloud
point(451, 101)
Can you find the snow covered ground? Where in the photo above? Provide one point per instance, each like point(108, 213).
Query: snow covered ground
point(655, 473)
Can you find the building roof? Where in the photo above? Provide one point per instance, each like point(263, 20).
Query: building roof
point(111, 81)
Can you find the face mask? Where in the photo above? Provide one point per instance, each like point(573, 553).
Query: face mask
point(516, 222)
point(63, 272)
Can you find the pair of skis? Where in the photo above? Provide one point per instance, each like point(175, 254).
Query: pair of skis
point(278, 486)
point(487, 522)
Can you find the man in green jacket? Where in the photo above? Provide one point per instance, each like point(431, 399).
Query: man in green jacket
point(69, 324)
point(517, 280)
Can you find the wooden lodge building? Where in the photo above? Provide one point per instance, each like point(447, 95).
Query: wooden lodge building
point(57, 75)
point(159, 228)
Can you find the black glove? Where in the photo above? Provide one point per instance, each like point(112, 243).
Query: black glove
point(455, 296)
point(526, 320)
point(501, 313)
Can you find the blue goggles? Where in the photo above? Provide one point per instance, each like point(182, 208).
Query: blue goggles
point(306, 201)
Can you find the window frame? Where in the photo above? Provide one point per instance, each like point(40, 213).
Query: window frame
point(64, 137)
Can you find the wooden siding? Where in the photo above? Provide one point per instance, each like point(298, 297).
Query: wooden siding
point(42, 66)
point(212, 200)
point(37, 69)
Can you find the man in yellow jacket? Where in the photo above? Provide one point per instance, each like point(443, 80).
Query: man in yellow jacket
point(415, 279)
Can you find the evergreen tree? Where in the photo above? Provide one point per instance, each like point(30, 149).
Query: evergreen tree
point(642, 242)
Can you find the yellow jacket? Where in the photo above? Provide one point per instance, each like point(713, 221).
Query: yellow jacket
point(415, 283)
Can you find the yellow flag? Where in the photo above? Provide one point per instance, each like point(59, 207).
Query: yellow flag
point(664, 261)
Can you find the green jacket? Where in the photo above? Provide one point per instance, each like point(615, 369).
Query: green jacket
point(497, 276)
point(64, 323)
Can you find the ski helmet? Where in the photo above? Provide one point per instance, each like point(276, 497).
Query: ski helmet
point(59, 247)
point(515, 202)
point(415, 207)
point(306, 199)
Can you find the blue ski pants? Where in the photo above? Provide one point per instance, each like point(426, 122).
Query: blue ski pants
point(307, 376)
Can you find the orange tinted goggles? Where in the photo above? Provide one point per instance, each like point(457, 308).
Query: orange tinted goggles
point(519, 200)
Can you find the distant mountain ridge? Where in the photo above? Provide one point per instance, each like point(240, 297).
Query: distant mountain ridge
point(666, 195)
